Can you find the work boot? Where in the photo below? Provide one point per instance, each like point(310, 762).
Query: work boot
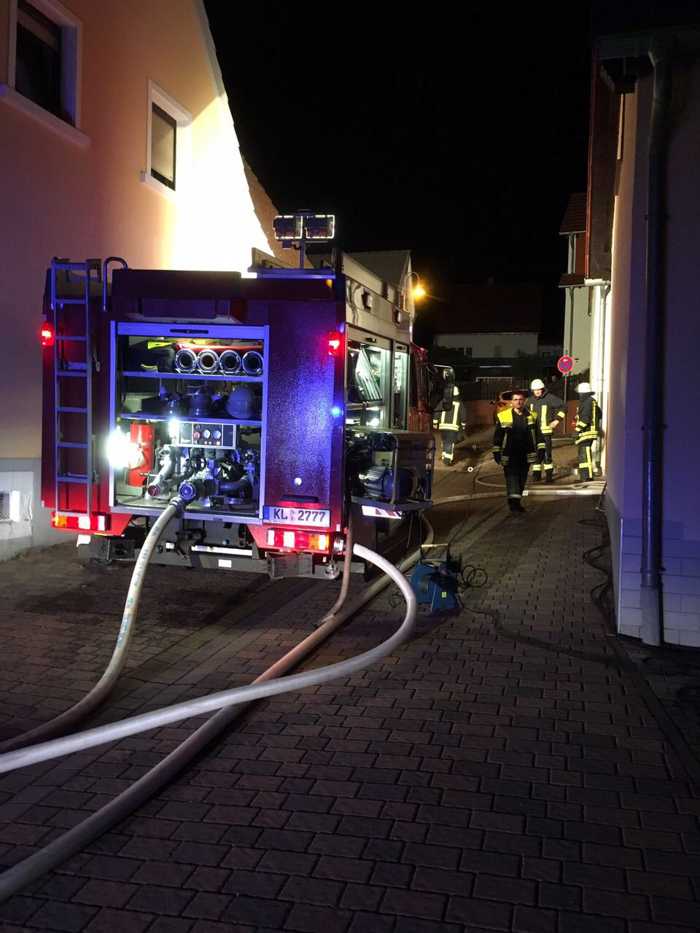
point(549, 476)
point(536, 476)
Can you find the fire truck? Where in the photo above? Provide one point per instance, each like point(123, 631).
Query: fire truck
point(277, 406)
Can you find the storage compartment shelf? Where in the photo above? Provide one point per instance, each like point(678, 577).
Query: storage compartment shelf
point(145, 416)
point(192, 377)
point(199, 434)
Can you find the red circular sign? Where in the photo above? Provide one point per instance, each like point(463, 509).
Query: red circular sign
point(565, 364)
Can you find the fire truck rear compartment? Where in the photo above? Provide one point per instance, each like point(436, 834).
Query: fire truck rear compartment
point(274, 409)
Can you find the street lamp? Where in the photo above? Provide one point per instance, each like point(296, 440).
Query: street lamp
point(414, 289)
point(418, 291)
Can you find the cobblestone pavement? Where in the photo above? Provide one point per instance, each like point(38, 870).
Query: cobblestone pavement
point(504, 771)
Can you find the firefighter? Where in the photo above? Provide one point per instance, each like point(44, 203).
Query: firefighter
point(587, 428)
point(451, 426)
point(515, 446)
point(550, 411)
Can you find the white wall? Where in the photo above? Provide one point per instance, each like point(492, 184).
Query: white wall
point(627, 368)
point(577, 327)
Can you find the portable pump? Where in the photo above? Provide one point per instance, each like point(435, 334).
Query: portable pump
point(436, 583)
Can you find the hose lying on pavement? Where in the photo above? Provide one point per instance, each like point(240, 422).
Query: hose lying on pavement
point(67, 845)
point(100, 735)
point(106, 683)
point(76, 839)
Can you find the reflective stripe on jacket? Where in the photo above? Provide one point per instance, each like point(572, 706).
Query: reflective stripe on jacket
point(454, 419)
point(587, 425)
point(548, 408)
point(504, 425)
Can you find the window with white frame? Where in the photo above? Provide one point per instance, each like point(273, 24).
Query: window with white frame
point(167, 140)
point(43, 57)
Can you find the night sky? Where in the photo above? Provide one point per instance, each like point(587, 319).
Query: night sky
point(457, 131)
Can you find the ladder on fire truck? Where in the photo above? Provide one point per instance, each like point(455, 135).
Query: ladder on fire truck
point(87, 276)
point(84, 283)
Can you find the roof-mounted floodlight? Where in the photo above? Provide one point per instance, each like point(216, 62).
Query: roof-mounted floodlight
point(319, 226)
point(288, 227)
point(301, 227)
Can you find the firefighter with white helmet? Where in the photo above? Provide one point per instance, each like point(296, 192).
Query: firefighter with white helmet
point(452, 426)
point(587, 428)
point(550, 411)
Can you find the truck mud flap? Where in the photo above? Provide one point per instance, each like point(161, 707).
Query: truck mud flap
point(290, 565)
point(105, 549)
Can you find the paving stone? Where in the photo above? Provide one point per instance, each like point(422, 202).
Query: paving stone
point(413, 904)
point(207, 905)
point(309, 919)
point(252, 883)
point(171, 874)
point(55, 915)
point(119, 921)
point(473, 913)
point(105, 893)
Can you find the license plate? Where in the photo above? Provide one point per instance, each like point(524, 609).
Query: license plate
point(286, 515)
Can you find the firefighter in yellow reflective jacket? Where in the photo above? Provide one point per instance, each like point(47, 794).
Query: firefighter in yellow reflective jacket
point(451, 426)
point(515, 446)
point(587, 428)
point(550, 411)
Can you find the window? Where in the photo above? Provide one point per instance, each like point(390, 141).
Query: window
point(163, 146)
point(38, 63)
point(400, 388)
point(368, 385)
point(167, 143)
point(43, 57)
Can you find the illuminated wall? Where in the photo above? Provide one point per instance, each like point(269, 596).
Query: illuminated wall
point(627, 366)
point(80, 193)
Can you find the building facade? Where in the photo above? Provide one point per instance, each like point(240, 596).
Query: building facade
point(117, 140)
point(643, 240)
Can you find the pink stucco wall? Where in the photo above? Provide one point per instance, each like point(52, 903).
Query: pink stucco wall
point(60, 199)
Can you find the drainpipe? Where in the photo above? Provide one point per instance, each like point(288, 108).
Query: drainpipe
point(652, 504)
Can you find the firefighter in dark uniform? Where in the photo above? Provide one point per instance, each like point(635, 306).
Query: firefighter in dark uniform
point(451, 426)
point(587, 429)
point(550, 411)
point(515, 446)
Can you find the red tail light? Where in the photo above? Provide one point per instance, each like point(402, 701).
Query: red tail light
point(47, 335)
point(79, 522)
point(286, 539)
point(335, 343)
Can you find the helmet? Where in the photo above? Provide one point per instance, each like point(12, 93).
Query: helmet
point(455, 392)
point(536, 384)
point(583, 387)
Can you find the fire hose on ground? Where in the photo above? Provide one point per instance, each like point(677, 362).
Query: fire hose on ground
point(107, 681)
point(230, 704)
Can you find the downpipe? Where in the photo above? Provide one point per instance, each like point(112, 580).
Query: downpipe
point(655, 370)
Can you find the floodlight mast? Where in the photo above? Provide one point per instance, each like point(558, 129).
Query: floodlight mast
point(301, 227)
